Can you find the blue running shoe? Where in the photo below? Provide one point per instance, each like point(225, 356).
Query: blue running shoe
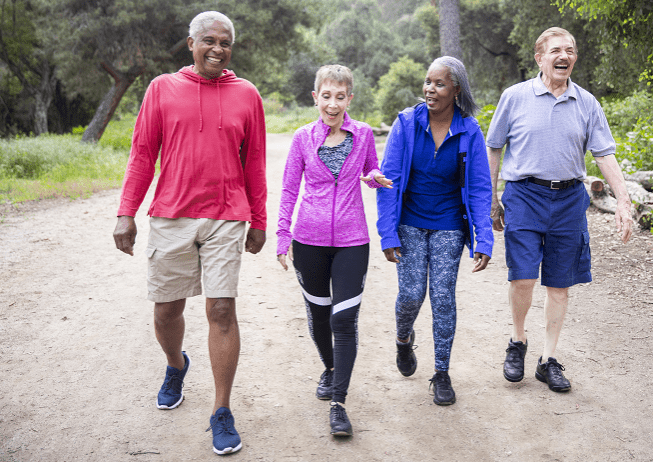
point(225, 437)
point(170, 395)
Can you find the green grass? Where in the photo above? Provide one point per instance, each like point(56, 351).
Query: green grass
point(53, 166)
point(285, 120)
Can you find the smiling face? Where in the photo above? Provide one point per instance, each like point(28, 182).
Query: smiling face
point(557, 59)
point(332, 101)
point(211, 50)
point(439, 90)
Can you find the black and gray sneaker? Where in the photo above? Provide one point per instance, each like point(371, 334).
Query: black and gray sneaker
point(442, 390)
point(340, 425)
point(406, 360)
point(550, 373)
point(325, 387)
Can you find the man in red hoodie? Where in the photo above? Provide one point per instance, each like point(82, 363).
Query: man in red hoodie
point(209, 127)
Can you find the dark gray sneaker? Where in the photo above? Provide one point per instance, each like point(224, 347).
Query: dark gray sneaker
point(406, 360)
point(513, 366)
point(442, 390)
point(340, 425)
point(325, 387)
point(551, 373)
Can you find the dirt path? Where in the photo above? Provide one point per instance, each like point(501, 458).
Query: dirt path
point(80, 367)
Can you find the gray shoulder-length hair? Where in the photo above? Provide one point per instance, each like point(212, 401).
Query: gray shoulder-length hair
point(202, 21)
point(464, 100)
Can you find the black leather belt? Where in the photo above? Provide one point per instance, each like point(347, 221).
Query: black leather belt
point(553, 184)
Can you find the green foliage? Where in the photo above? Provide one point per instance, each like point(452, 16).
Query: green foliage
point(118, 134)
point(625, 35)
point(484, 117)
point(401, 87)
point(623, 113)
point(631, 123)
point(635, 150)
point(362, 105)
point(56, 166)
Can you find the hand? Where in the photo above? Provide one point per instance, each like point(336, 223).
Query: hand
point(480, 261)
point(392, 254)
point(125, 234)
point(282, 258)
point(381, 179)
point(255, 240)
point(623, 217)
point(497, 215)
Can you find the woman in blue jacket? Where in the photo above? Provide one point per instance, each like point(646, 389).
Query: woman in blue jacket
point(435, 155)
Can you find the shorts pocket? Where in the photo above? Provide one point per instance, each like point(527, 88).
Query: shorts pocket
point(585, 259)
point(151, 266)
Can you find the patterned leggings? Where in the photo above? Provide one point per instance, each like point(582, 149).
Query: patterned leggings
point(436, 254)
point(333, 316)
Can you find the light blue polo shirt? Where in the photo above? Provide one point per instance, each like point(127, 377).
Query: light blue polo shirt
point(547, 137)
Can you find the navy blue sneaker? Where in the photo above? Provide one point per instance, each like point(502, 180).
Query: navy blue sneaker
point(225, 437)
point(170, 395)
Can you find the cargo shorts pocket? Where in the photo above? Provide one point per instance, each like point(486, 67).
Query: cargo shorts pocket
point(585, 259)
point(151, 267)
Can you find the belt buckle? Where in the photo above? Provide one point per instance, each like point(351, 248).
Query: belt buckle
point(555, 182)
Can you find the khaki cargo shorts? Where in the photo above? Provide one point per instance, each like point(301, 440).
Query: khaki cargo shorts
point(181, 250)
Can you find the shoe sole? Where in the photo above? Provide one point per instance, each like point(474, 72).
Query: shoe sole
point(163, 406)
point(228, 450)
point(444, 403)
point(323, 397)
point(409, 373)
point(513, 380)
point(541, 378)
point(342, 433)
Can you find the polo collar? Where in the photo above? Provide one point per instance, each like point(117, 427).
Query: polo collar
point(540, 89)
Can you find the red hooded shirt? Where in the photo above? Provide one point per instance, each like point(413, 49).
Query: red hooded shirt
point(211, 135)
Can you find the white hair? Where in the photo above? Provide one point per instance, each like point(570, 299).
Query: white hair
point(203, 21)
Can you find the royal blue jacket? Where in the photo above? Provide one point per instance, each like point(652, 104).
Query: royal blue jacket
point(476, 185)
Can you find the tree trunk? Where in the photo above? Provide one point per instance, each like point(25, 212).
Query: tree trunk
point(449, 28)
point(43, 97)
point(110, 101)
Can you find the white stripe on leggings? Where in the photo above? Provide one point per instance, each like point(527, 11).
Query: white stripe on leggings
point(347, 303)
point(322, 301)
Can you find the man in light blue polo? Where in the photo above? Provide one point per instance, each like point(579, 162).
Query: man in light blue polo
point(547, 124)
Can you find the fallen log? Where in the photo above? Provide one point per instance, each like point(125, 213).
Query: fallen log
point(645, 178)
point(603, 199)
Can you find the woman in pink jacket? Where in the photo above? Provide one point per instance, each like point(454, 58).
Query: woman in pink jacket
point(329, 244)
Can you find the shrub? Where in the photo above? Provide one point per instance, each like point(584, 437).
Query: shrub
point(400, 88)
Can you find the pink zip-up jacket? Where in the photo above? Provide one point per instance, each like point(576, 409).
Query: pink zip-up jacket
point(331, 212)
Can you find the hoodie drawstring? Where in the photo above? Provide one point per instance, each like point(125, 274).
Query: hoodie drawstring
point(199, 99)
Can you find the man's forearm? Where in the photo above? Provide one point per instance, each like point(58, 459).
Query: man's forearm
point(612, 173)
point(494, 159)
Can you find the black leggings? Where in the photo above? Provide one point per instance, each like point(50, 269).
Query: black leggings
point(333, 319)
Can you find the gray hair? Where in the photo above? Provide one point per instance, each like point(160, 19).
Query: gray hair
point(336, 73)
point(464, 100)
point(541, 41)
point(203, 21)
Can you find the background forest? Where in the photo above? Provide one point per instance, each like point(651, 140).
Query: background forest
point(71, 66)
